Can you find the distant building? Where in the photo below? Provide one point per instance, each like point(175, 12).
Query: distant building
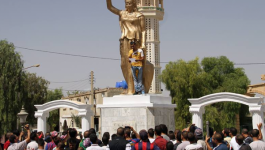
point(68, 114)
point(153, 11)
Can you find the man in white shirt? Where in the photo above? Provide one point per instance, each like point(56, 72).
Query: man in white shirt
point(193, 144)
point(33, 145)
point(94, 145)
point(233, 143)
point(151, 134)
point(256, 144)
point(14, 140)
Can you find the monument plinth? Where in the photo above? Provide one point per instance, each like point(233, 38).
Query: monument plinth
point(138, 111)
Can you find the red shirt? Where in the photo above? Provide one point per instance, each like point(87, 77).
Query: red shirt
point(6, 145)
point(161, 142)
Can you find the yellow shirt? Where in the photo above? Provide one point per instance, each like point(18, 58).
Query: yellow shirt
point(136, 55)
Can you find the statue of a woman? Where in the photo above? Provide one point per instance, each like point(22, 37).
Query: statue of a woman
point(132, 24)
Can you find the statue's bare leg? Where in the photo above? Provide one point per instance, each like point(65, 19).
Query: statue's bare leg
point(125, 65)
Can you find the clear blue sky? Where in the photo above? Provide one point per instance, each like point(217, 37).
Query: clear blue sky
point(233, 28)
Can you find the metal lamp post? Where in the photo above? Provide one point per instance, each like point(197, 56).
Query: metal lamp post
point(22, 116)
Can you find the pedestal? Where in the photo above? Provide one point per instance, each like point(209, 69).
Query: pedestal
point(138, 111)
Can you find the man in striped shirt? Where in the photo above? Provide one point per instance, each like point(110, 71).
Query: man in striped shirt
point(145, 144)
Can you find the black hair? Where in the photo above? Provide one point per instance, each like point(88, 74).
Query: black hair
point(226, 131)
point(233, 131)
point(105, 140)
point(72, 133)
point(33, 135)
point(255, 133)
point(245, 131)
point(127, 131)
point(41, 142)
point(164, 128)
point(191, 137)
point(179, 136)
point(86, 134)
point(151, 132)
point(16, 132)
point(192, 128)
point(239, 139)
point(93, 138)
point(106, 134)
point(12, 138)
point(218, 137)
point(158, 130)
point(185, 135)
point(170, 145)
point(133, 136)
point(56, 141)
point(113, 136)
point(171, 135)
point(92, 130)
point(120, 132)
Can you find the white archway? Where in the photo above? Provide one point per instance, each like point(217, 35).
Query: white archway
point(255, 107)
point(84, 111)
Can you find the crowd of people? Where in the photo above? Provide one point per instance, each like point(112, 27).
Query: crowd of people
point(127, 138)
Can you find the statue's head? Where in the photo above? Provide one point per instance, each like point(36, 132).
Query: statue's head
point(130, 5)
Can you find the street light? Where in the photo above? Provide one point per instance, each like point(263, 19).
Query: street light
point(22, 115)
point(37, 65)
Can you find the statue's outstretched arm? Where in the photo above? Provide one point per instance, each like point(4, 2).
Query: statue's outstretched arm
point(112, 9)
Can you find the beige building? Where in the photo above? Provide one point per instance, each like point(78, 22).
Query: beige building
point(69, 114)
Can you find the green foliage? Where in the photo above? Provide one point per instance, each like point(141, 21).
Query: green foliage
point(11, 79)
point(191, 80)
point(77, 120)
point(34, 92)
point(53, 119)
point(184, 80)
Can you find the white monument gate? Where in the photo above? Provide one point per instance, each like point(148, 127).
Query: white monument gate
point(43, 112)
point(256, 107)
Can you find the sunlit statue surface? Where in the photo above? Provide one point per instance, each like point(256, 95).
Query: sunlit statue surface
point(132, 24)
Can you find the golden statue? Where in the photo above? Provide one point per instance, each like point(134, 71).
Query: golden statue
point(132, 24)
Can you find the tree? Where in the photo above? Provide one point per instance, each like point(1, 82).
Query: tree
point(53, 119)
point(191, 80)
point(11, 85)
point(184, 80)
point(224, 77)
point(34, 92)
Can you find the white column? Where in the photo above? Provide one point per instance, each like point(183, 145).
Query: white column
point(258, 117)
point(85, 123)
point(197, 117)
point(85, 118)
point(40, 124)
point(42, 120)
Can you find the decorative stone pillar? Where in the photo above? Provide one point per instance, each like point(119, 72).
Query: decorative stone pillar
point(197, 116)
point(42, 120)
point(257, 117)
point(85, 119)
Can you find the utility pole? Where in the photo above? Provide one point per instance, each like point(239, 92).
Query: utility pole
point(92, 97)
point(91, 78)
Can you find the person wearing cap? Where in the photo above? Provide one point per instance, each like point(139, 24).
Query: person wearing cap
point(51, 145)
point(199, 136)
point(137, 64)
point(145, 143)
point(33, 145)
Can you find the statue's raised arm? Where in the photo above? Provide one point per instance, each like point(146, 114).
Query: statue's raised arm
point(112, 8)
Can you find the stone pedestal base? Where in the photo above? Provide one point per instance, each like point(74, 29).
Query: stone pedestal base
point(138, 111)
